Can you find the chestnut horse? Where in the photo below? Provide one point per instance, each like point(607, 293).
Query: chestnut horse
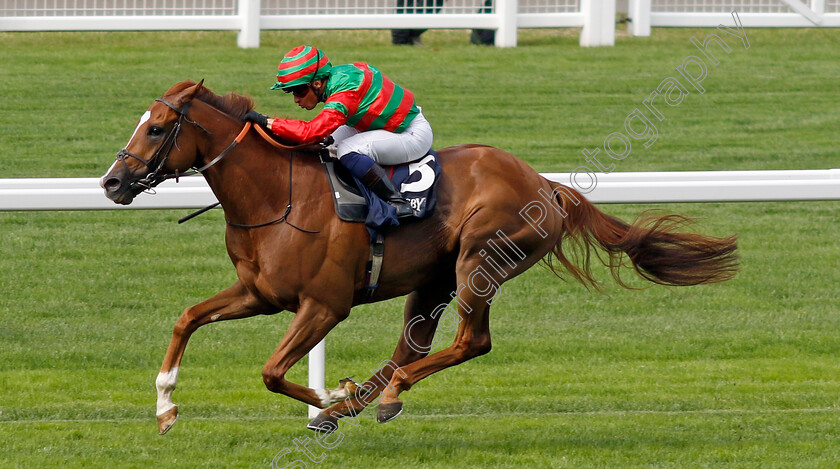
point(495, 217)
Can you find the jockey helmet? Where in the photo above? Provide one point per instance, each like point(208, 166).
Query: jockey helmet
point(301, 66)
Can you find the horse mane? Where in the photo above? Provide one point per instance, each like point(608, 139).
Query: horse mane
point(233, 104)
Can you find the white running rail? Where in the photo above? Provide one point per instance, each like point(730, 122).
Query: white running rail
point(653, 187)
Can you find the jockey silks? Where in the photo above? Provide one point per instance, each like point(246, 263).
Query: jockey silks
point(357, 95)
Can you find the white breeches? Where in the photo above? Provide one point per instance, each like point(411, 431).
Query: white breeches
point(387, 148)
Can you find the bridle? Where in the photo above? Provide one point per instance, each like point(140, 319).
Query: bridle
point(161, 156)
point(157, 162)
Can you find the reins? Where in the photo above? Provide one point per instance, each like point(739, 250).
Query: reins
point(153, 178)
point(277, 144)
point(284, 217)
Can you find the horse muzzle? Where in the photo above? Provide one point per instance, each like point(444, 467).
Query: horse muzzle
point(119, 188)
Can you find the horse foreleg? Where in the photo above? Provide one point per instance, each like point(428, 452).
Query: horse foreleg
point(233, 303)
point(311, 323)
point(415, 343)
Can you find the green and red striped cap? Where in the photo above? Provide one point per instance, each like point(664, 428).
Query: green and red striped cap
point(301, 66)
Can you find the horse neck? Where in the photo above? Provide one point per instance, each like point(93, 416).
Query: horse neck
point(252, 182)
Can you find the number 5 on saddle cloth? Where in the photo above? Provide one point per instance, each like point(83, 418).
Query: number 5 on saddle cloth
point(355, 203)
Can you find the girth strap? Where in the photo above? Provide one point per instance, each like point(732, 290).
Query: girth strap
point(374, 265)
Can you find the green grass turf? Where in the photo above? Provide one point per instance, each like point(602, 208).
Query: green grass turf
point(743, 374)
point(77, 96)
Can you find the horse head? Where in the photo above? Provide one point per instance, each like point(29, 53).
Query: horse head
point(162, 144)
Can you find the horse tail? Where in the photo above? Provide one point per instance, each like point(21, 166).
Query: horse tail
point(655, 245)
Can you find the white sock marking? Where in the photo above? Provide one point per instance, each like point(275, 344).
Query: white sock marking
point(165, 384)
point(324, 395)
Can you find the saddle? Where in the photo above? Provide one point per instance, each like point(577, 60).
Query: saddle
point(417, 181)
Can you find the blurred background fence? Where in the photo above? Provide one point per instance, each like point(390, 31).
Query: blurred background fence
point(596, 18)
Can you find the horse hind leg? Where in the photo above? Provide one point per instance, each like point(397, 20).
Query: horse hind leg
point(472, 339)
point(422, 314)
point(488, 257)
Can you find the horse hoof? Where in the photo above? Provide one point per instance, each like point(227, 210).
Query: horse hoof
point(323, 423)
point(167, 419)
point(349, 385)
point(388, 412)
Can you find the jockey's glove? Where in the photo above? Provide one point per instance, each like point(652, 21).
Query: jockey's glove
point(256, 118)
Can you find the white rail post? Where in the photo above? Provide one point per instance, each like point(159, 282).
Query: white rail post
point(507, 11)
point(317, 371)
point(818, 6)
point(249, 32)
point(598, 23)
point(639, 24)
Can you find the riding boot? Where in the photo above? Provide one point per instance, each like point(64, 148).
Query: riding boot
point(378, 181)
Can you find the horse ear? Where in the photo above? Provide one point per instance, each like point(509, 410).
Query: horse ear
point(189, 93)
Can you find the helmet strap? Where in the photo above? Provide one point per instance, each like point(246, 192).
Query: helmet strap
point(319, 95)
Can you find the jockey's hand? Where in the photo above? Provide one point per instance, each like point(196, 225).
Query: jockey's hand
point(257, 118)
point(327, 141)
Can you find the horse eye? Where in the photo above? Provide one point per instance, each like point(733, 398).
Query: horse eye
point(155, 131)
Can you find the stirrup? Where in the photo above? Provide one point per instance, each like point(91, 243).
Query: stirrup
point(403, 207)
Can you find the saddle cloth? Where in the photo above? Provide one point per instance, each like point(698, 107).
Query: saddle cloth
point(356, 203)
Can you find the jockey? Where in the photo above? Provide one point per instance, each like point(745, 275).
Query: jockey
point(372, 120)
